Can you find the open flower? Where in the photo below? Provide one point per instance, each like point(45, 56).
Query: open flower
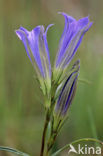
point(70, 40)
point(35, 43)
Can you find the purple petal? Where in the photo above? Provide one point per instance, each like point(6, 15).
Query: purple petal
point(46, 47)
point(75, 46)
point(22, 36)
point(32, 41)
point(71, 39)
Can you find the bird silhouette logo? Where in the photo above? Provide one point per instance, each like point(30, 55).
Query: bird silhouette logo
point(72, 149)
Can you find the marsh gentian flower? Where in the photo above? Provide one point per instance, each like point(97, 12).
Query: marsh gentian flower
point(67, 92)
point(35, 43)
point(70, 40)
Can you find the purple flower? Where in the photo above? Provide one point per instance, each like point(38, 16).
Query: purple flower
point(67, 92)
point(71, 39)
point(35, 43)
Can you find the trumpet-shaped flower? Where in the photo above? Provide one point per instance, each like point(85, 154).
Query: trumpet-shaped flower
point(70, 40)
point(35, 43)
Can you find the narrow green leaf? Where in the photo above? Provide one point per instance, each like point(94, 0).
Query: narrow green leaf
point(8, 149)
point(77, 141)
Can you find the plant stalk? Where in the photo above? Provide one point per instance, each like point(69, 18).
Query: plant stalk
point(44, 133)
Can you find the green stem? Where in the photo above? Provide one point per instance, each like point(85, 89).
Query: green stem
point(77, 141)
point(47, 153)
point(48, 118)
point(52, 142)
point(44, 133)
